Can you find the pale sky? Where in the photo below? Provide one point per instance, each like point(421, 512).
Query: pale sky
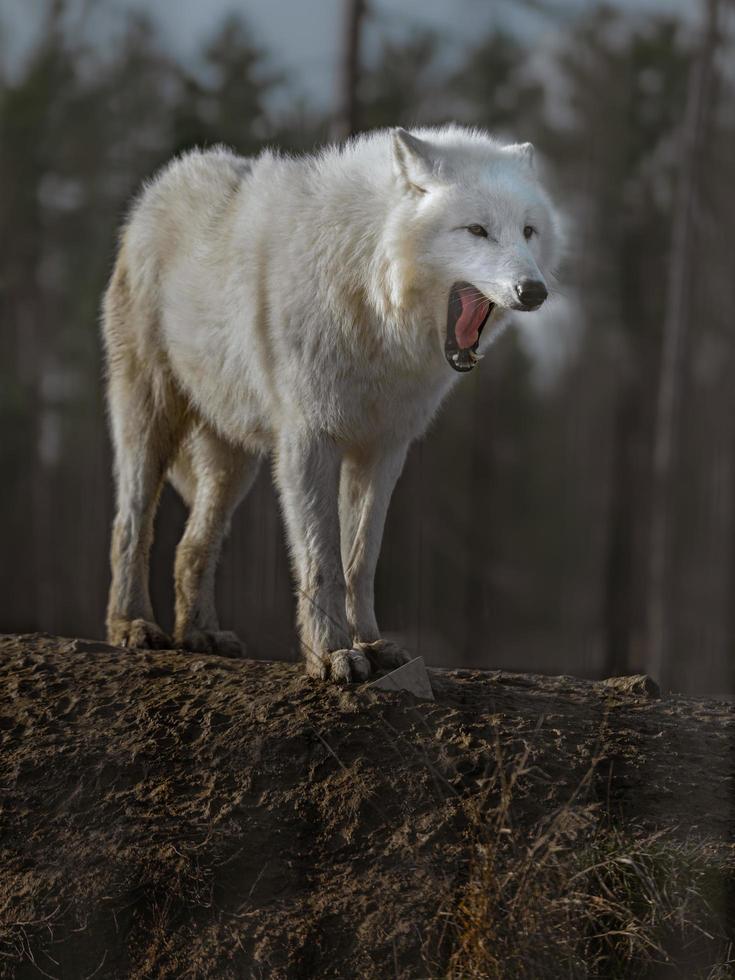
point(303, 36)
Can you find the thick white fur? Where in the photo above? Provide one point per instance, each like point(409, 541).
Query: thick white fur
point(297, 307)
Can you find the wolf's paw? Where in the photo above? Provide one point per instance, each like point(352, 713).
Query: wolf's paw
point(138, 634)
point(225, 643)
point(384, 654)
point(339, 666)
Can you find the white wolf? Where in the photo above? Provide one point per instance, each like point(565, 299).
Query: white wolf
point(316, 309)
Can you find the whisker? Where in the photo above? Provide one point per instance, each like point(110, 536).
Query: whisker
point(478, 304)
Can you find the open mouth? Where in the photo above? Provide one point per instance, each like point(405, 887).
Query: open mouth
point(467, 313)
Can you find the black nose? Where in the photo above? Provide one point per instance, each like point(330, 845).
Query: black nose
point(531, 293)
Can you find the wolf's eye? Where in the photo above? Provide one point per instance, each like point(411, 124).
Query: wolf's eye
point(529, 231)
point(477, 230)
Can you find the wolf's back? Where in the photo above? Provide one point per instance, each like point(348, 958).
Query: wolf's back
point(179, 207)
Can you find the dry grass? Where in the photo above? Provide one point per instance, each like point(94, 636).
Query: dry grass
point(577, 897)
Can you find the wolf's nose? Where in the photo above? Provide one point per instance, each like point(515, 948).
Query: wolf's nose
point(531, 293)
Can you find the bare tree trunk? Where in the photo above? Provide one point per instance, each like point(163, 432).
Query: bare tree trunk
point(618, 615)
point(675, 346)
point(347, 119)
point(479, 598)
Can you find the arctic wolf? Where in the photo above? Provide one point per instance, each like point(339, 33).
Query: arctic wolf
point(315, 310)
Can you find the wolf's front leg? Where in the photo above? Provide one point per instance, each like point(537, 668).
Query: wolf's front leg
point(366, 488)
point(307, 474)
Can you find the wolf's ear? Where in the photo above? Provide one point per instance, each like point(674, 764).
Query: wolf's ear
point(523, 152)
point(413, 160)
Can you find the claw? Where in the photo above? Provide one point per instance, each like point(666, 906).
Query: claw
point(137, 634)
point(360, 665)
point(384, 654)
point(222, 642)
point(339, 664)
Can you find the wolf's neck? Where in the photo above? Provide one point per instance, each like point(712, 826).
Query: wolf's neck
point(367, 253)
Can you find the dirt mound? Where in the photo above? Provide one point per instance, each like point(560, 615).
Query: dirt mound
point(175, 815)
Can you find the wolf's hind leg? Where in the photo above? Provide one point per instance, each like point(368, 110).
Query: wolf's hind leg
point(307, 474)
point(147, 420)
point(213, 476)
point(365, 490)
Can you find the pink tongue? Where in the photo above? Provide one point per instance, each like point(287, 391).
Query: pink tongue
point(474, 311)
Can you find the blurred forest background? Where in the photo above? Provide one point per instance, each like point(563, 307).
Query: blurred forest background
point(573, 509)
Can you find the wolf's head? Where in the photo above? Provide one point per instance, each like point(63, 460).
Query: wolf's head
point(480, 230)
